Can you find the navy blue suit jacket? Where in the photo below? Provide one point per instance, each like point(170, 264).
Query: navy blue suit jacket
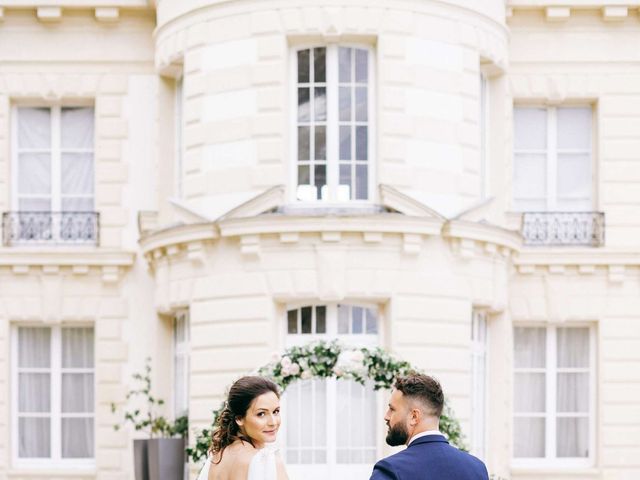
point(430, 458)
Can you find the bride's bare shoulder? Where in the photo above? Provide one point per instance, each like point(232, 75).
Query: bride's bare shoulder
point(240, 459)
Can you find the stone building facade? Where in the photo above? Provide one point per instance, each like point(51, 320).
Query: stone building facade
point(206, 182)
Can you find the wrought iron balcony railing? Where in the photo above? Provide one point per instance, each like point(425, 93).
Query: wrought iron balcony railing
point(563, 228)
point(46, 228)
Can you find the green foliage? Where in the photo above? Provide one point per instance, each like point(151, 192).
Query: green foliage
point(148, 420)
point(331, 359)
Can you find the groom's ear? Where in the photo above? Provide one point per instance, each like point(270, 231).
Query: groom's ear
point(415, 416)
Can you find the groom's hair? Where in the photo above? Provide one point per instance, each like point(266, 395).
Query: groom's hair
point(424, 388)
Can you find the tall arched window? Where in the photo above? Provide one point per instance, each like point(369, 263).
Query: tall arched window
point(331, 426)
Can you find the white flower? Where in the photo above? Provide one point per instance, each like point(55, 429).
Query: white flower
point(285, 362)
point(294, 369)
point(305, 375)
point(338, 371)
point(357, 356)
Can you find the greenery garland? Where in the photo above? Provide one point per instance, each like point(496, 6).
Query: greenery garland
point(323, 359)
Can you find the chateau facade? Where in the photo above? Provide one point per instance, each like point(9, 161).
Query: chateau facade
point(207, 182)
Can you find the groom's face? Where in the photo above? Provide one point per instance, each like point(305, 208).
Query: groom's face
point(397, 419)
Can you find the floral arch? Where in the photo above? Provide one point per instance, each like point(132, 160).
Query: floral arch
point(323, 359)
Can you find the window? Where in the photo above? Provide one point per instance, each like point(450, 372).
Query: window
point(179, 128)
point(554, 395)
point(552, 159)
point(53, 177)
point(54, 159)
point(181, 363)
point(484, 136)
point(333, 124)
point(53, 396)
point(331, 425)
point(478, 383)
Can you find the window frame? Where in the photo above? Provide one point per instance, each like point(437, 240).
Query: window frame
point(55, 461)
point(56, 150)
point(181, 349)
point(552, 461)
point(480, 349)
point(551, 156)
point(361, 340)
point(485, 135)
point(332, 122)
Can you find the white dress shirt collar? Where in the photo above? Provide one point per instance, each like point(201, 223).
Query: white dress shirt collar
point(424, 434)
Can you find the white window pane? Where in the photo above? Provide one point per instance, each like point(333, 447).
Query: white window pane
point(529, 392)
point(372, 321)
point(34, 437)
point(574, 128)
point(77, 127)
point(529, 347)
point(77, 437)
point(34, 347)
point(34, 128)
point(572, 436)
point(529, 434)
point(344, 318)
point(34, 204)
point(344, 61)
point(34, 173)
point(34, 392)
point(293, 413)
point(573, 348)
point(356, 320)
point(77, 393)
point(304, 66)
point(530, 128)
point(573, 392)
point(320, 398)
point(574, 176)
point(78, 204)
point(292, 322)
point(77, 348)
point(343, 414)
point(529, 176)
point(362, 66)
point(77, 173)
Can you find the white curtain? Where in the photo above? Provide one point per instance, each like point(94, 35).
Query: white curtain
point(356, 422)
point(530, 159)
point(529, 392)
point(77, 392)
point(34, 159)
point(35, 169)
point(306, 421)
point(35, 379)
point(573, 392)
point(34, 392)
point(77, 159)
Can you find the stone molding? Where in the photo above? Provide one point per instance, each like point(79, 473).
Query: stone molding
point(110, 263)
point(185, 29)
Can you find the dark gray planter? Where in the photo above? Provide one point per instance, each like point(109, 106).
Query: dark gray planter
point(166, 458)
point(140, 459)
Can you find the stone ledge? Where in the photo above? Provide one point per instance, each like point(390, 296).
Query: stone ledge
point(64, 257)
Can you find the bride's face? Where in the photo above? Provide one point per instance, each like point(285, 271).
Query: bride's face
point(262, 420)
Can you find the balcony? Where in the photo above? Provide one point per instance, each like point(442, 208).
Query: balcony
point(548, 229)
point(50, 228)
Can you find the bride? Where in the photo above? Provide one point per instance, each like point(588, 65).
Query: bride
point(242, 445)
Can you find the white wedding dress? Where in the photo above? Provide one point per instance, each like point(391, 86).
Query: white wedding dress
point(262, 466)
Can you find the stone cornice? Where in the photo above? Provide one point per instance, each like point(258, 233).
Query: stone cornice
point(110, 263)
point(64, 257)
point(483, 232)
point(384, 223)
point(181, 234)
point(570, 256)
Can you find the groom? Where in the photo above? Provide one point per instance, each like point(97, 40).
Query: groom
point(413, 419)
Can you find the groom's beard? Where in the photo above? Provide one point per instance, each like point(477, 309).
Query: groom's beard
point(397, 435)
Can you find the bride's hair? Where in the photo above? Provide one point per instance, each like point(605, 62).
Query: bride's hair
point(241, 394)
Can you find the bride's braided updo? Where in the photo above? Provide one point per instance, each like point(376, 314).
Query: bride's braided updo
point(226, 430)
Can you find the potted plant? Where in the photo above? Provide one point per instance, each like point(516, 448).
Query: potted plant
point(161, 456)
